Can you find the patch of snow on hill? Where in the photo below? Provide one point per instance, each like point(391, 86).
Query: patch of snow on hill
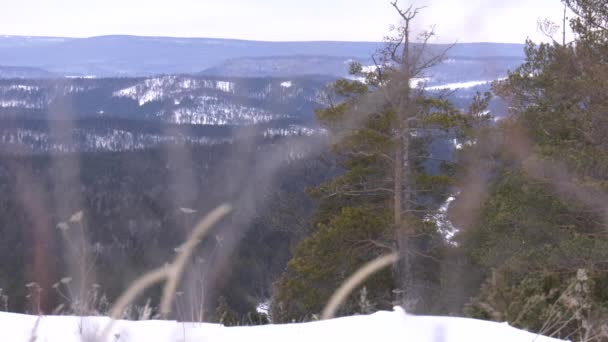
point(369, 68)
point(227, 87)
point(417, 82)
point(18, 104)
point(160, 88)
point(292, 130)
point(287, 84)
point(188, 83)
point(88, 77)
point(21, 87)
point(211, 110)
point(459, 85)
point(154, 89)
point(127, 92)
point(462, 85)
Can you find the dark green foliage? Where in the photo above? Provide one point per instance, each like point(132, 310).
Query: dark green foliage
point(323, 260)
point(566, 305)
point(224, 315)
point(540, 235)
point(525, 225)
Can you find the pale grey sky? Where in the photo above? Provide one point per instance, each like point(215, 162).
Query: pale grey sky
point(354, 20)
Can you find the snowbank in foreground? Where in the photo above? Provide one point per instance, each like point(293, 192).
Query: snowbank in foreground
point(381, 326)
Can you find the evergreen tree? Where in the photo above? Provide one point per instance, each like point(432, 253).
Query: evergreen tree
point(540, 235)
point(383, 131)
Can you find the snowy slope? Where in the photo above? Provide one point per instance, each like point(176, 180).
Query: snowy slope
point(381, 326)
point(171, 99)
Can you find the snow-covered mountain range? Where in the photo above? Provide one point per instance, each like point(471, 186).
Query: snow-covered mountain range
point(108, 92)
point(62, 115)
point(112, 114)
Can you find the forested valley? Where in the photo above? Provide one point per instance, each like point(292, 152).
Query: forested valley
point(491, 204)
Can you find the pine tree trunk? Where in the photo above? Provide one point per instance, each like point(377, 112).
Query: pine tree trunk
point(397, 209)
point(405, 277)
point(402, 177)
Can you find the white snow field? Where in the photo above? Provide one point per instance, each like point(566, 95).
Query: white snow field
point(381, 326)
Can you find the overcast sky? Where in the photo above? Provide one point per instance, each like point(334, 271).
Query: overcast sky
point(278, 20)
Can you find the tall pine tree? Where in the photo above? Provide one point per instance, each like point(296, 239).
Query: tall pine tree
point(383, 132)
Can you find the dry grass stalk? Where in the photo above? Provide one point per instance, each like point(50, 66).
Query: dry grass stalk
point(171, 273)
point(354, 281)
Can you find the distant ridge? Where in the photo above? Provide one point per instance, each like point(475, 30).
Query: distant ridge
point(122, 55)
point(24, 72)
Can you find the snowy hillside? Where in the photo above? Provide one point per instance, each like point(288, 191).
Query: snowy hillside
point(381, 326)
point(80, 114)
point(171, 99)
point(116, 109)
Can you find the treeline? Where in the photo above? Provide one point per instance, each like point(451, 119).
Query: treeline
point(529, 215)
point(103, 125)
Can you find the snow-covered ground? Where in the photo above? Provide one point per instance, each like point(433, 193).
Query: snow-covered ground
point(381, 326)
